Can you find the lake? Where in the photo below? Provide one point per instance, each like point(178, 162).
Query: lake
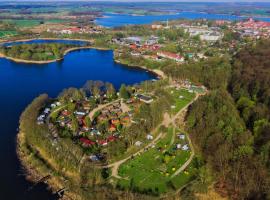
point(115, 20)
point(21, 83)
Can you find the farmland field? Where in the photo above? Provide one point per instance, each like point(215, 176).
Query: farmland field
point(7, 33)
point(152, 170)
point(28, 23)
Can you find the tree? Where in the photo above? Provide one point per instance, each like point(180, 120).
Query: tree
point(123, 92)
point(74, 124)
point(110, 90)
point(88, 121)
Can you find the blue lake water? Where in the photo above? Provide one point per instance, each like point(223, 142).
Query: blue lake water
point(20, 83)
point(116, 20)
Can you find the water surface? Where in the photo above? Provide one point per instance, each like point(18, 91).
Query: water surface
point(116, 20)
point(20, 83)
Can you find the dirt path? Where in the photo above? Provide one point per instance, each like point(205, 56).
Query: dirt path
point(92, 113)
point(166, 121)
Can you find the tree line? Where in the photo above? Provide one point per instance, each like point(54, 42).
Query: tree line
point(36, 52)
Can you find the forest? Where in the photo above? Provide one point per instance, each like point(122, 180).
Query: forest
point(36, 52)
point(230, 126)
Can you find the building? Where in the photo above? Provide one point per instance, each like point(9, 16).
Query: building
point(211, 36)
point(133, 40)
point(149, 137)
point(254, 29)
point(157, 26)
point(145, 99)
point(171, 56)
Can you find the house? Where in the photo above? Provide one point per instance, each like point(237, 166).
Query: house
point(112, 128)
point(178, 146)
point(145, 99)
point(47, 110)
point(211, 36)
point(103, 142)
point(80, 113)
point(125, 120)
point(93, 158)
point(149, 137)
point(171, 56)
point(115, 121)
point(95, 132)
point(41, 119)
point(111, 138)
point(86, 105)
point(58, 103)
point(152, 40)
point(181, 136)
point(157, 26)
point(138, 143)
point(86, 142)
point(185, 147)
point(65, 113)
point(133, 40)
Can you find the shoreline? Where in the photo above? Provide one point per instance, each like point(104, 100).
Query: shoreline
point(41, 38)
point(18, 60)
point(33, 174)
point(157, 72)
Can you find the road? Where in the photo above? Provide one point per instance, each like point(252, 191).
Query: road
point(101, 106)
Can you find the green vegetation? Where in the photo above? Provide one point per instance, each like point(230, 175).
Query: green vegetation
point(29, 23)
point(36, 52)
point(232, 133)
point(181, 98)
point(213, 73)
point(4, 34)
point(151, 172)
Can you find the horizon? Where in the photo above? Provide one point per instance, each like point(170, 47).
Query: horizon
point(143, 1)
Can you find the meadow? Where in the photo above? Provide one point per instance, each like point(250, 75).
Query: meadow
point(152, 171)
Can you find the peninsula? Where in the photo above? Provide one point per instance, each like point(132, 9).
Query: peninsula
point(38, 53)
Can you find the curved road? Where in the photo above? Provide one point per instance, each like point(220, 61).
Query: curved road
point(166, 121)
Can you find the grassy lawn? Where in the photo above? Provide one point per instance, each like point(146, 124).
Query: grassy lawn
point(183, 178)
point(7, 33)
point(151, 171)
point(182, 97)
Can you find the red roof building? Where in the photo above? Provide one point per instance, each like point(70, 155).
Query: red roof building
point(103, 142)
point(87, 142)
point(172, 56)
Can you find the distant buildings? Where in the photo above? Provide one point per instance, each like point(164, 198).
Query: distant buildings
point(171, 56)
point(204, 32)
point(73, 30)
point(252, 28)
point(157, 26)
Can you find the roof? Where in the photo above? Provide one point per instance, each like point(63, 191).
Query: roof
point(143, 97)
point(87, 141)
point(169, 55)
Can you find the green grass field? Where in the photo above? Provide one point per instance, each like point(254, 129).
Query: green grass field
point(152, 170)
point(28, 23)
point(4, 34)
point(182, 97)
